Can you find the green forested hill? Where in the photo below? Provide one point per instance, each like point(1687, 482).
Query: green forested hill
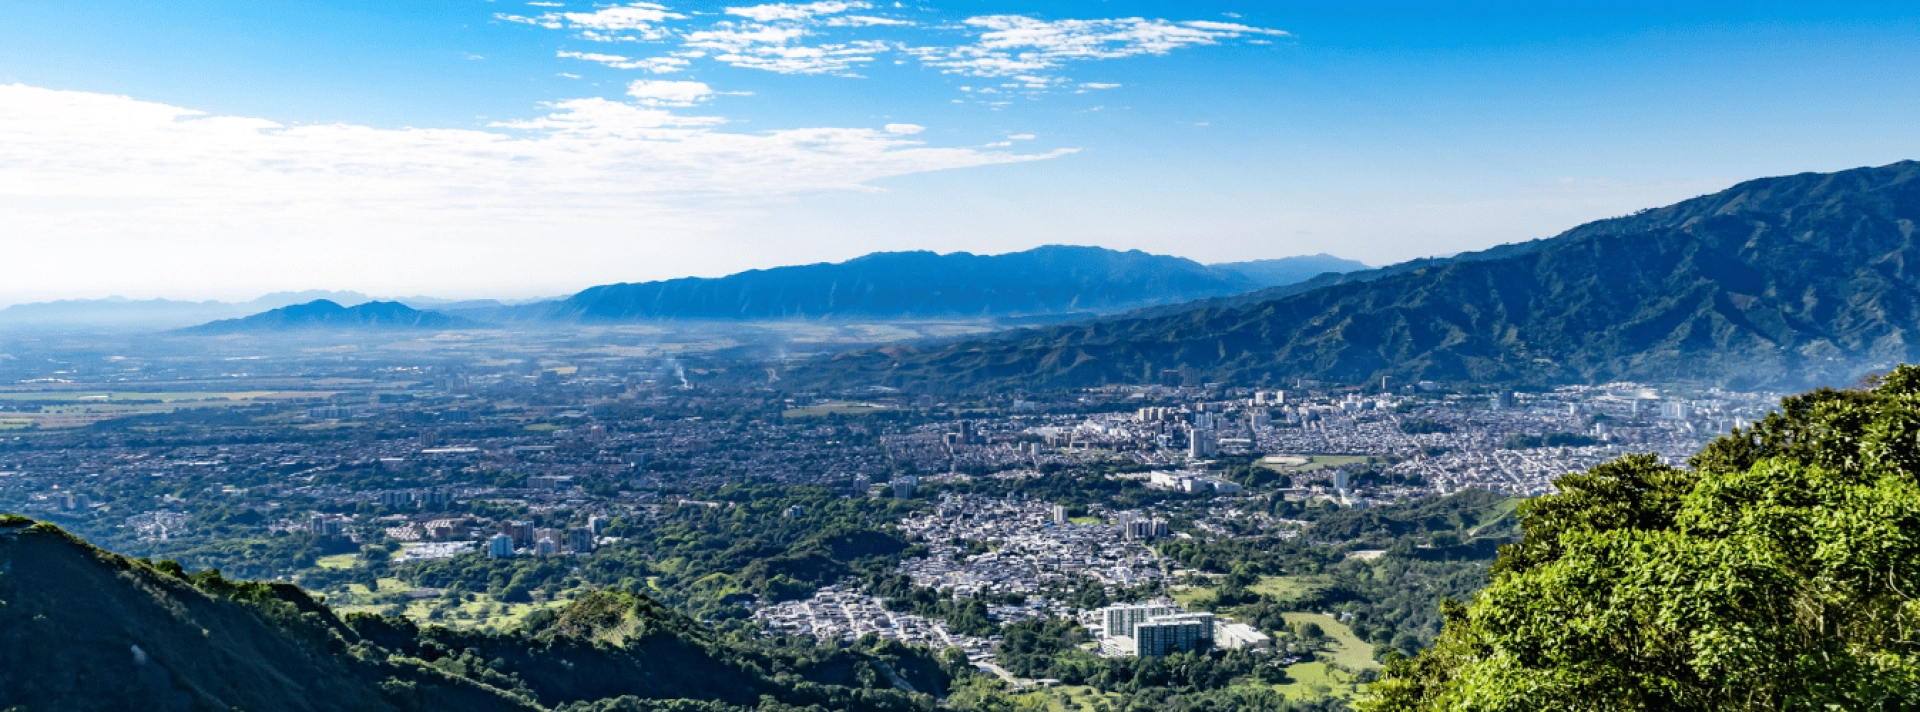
point(84, 629)
point(1774, 282)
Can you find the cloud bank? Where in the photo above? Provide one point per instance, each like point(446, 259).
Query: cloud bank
point(87, 177)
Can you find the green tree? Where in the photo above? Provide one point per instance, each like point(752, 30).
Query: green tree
point(1777, 572)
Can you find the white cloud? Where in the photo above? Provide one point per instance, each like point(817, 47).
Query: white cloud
point(822, 38)
point(1015, 44)
point(547, 4)
point(793, 11)
point(1023, 137)
point(866, 21)
point(904, 129)
point(773, 48)
point(656, 65)
point(117, 190)
point(652, 92)
point(635, 21)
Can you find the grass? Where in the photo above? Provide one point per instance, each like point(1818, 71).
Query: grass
point(113, 396)
point(1347, 649)
point(336, 561)
point(1083, 520)
point(1286, 587)
point(484, 612)
point(825, 409)
point(1065, 698)
point(1319, 462)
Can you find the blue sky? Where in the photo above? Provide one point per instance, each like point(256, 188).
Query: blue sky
point(465, 148)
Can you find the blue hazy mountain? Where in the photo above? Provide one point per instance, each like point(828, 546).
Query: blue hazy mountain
point(1290, 270)
point(124, 313)
point(322, 314)
point(1049, 280)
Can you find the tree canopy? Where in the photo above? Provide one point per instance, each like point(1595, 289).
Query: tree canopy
point(1776, 572)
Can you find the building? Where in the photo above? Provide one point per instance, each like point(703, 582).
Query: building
point(580, 540)
point(323, 525)
point(1237, 636)
point(1119, 619)
point(1190, 483)
point(904, 485)
point(1154, 630)
point(1184, 632)
point(1200, 444)
point(500, 546)
point(1059, 515)
point(546, 547)
point(597, 524)
point(520, 532)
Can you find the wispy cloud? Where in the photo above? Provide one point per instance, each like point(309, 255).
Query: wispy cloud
point(794, 11)
point(656, 65)
point(81, 173)
point(1014, 44)
point(829, 38)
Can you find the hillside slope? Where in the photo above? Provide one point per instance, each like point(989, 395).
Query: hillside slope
point(1777, 282)
point(84, 629)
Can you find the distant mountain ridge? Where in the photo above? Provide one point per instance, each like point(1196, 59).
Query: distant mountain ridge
point(1045, 280)
point(120, 312)
point(325, 314)
point(1785, 281)
point(1290, 270)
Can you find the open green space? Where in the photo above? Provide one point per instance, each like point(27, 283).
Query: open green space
point(336, 561)
point(115, 396)
point(825, 409)
point(1291, 464)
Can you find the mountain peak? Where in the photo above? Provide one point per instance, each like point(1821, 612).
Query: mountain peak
point(328, 314)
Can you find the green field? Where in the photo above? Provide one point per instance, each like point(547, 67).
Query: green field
point(1287, 587)
point(825, 409)
point(1348, 649)
point(484, 612)
point(337, 561)
point(1319, 462)
point(116, 396)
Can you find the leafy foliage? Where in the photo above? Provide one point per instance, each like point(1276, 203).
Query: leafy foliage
point(84, 629)
point(1775, 574)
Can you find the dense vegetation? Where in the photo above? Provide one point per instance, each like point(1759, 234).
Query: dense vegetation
point(84, 629)
point(1777, 573)
point(768, 542)
point(1774, 282)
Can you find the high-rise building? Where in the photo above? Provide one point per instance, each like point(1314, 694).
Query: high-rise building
point(580, 540)
point(1059, 514)
point(1160, 635)
point(546, 547)
point(500, 546)
point(1119, 619)
point(1201, 444)
point(904, 485)
point(520, 532)
point(597, 524)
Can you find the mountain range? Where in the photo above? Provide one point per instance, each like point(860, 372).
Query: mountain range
point(1050, 280)
point(85, 629)
point(322, 314)
point(1777, 282)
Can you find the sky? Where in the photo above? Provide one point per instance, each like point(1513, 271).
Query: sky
point(220, 149)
